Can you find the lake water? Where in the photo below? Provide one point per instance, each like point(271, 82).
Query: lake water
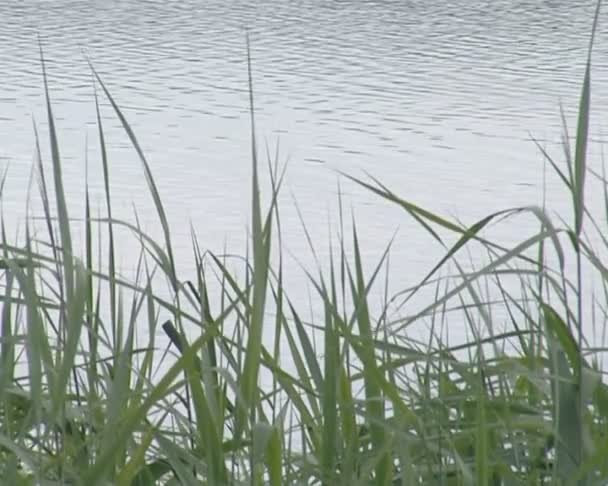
point(437, 99)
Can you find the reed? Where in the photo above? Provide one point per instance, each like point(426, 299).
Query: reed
point(522, 400)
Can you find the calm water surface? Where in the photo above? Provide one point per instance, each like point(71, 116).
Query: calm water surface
point(437, 99)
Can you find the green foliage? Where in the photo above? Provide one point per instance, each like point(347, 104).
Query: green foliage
point(521, 399)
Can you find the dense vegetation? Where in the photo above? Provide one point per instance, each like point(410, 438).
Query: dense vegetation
point(89, 394)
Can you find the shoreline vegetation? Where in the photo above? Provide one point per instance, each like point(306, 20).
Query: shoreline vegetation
point(96, 389)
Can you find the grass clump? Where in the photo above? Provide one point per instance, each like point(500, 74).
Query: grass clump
point(89, 395)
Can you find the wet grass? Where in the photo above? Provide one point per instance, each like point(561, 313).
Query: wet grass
point(90, 393)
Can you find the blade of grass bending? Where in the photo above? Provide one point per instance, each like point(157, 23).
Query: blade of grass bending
point(549, 159)
point(148, 175)
point(418, 213)
point(261, 249)
point(488, 269)
point(469, 234)
point(422, 215)
point(162, 259)
point(62, 210)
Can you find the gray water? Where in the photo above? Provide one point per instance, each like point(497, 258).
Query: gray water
point(439, 100)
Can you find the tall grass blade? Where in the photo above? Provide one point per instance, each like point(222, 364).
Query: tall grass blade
point(582, 135)
point(62, 209)
point(330, 396)
point(111, 252)
point(373, 392)
point(261, 249)
point(149, 179)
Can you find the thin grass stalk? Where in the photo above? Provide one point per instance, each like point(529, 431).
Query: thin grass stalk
point(261, 249)
point(111, 253)
point(580, 169)
point(373, 393)
point(62, 210)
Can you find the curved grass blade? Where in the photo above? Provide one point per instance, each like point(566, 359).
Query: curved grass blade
point(149, 178)
point(62, 209)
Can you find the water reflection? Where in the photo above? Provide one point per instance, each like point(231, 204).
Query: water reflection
point(438, 98)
